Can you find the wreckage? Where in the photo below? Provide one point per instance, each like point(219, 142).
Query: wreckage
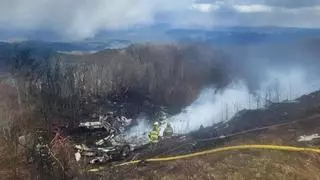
point(111, 148)
point(108, 122)
point(105, 154)
point(114, 146)
point(117, 144)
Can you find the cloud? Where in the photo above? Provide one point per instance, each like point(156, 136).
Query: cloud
point(252, 8)
point(84, 18)
point(304, 17)
point(273, 3)
point(204, 7)
point(291, 3)
point(263, 12)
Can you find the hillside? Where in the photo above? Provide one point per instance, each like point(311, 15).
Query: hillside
point(285, 122)
point(303, 119)
point(141, 80)
point(241, 164)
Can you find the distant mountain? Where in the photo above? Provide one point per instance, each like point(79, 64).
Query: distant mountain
point(244, 35)
point(241, 43)
point(41, 49)
point(15, 35)
point(83, 46)
point(77, 46)
point(216, 36)
point(163, 33)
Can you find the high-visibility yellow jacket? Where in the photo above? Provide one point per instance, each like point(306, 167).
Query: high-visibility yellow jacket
point(154, 134)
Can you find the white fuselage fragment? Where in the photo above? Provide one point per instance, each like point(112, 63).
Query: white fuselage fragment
point(305, 138)
point(91, 125)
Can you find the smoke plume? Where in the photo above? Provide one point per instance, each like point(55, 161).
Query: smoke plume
point(214, 106)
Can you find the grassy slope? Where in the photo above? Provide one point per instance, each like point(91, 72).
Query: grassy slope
point(245, 164)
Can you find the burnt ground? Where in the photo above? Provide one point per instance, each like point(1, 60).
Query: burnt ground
point(278, 124)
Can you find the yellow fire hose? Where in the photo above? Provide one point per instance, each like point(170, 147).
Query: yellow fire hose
point(229, 148)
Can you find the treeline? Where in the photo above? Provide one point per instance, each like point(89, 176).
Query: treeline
point(166, 75)
point(170, 75)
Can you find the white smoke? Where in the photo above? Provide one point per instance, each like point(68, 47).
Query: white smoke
point(214, 106)
point(141, 129)
point(138, 135)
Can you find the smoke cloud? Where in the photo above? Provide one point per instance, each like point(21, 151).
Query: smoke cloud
point(211, 107)
point(214, 106)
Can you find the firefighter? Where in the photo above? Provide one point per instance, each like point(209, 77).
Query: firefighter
point(43, 157)
point(162, 116)
point(168, 131)
point(41, 148)
point(154, 134)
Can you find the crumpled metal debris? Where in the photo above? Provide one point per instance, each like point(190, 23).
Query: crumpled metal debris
point(22, 140)
point(109, 122)
point(115, 145)
point(77, 156)
point(125, 121)
point(113, 140)
point(94, 170)
point(100, 159)
point(104, 140)
point(92, 125)
point(305, 138)
point(82, 147)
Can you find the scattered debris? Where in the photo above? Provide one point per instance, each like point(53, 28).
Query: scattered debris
point(101, 159)
point(117, 144)
point(22, 140)
point(308, 138)
point(105, 154)
point(109, 122)
point(104, 140)
point(77, 156)
point(114, 146)
point(92, 125)
point(82, 147)
point(94, 170)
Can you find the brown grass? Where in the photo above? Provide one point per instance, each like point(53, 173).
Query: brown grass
point(239, 165)
point(233, 165)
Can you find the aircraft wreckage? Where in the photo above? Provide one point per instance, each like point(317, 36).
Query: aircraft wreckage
point(115, 146)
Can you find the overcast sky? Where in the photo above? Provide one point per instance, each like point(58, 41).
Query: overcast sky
point(83, 18)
